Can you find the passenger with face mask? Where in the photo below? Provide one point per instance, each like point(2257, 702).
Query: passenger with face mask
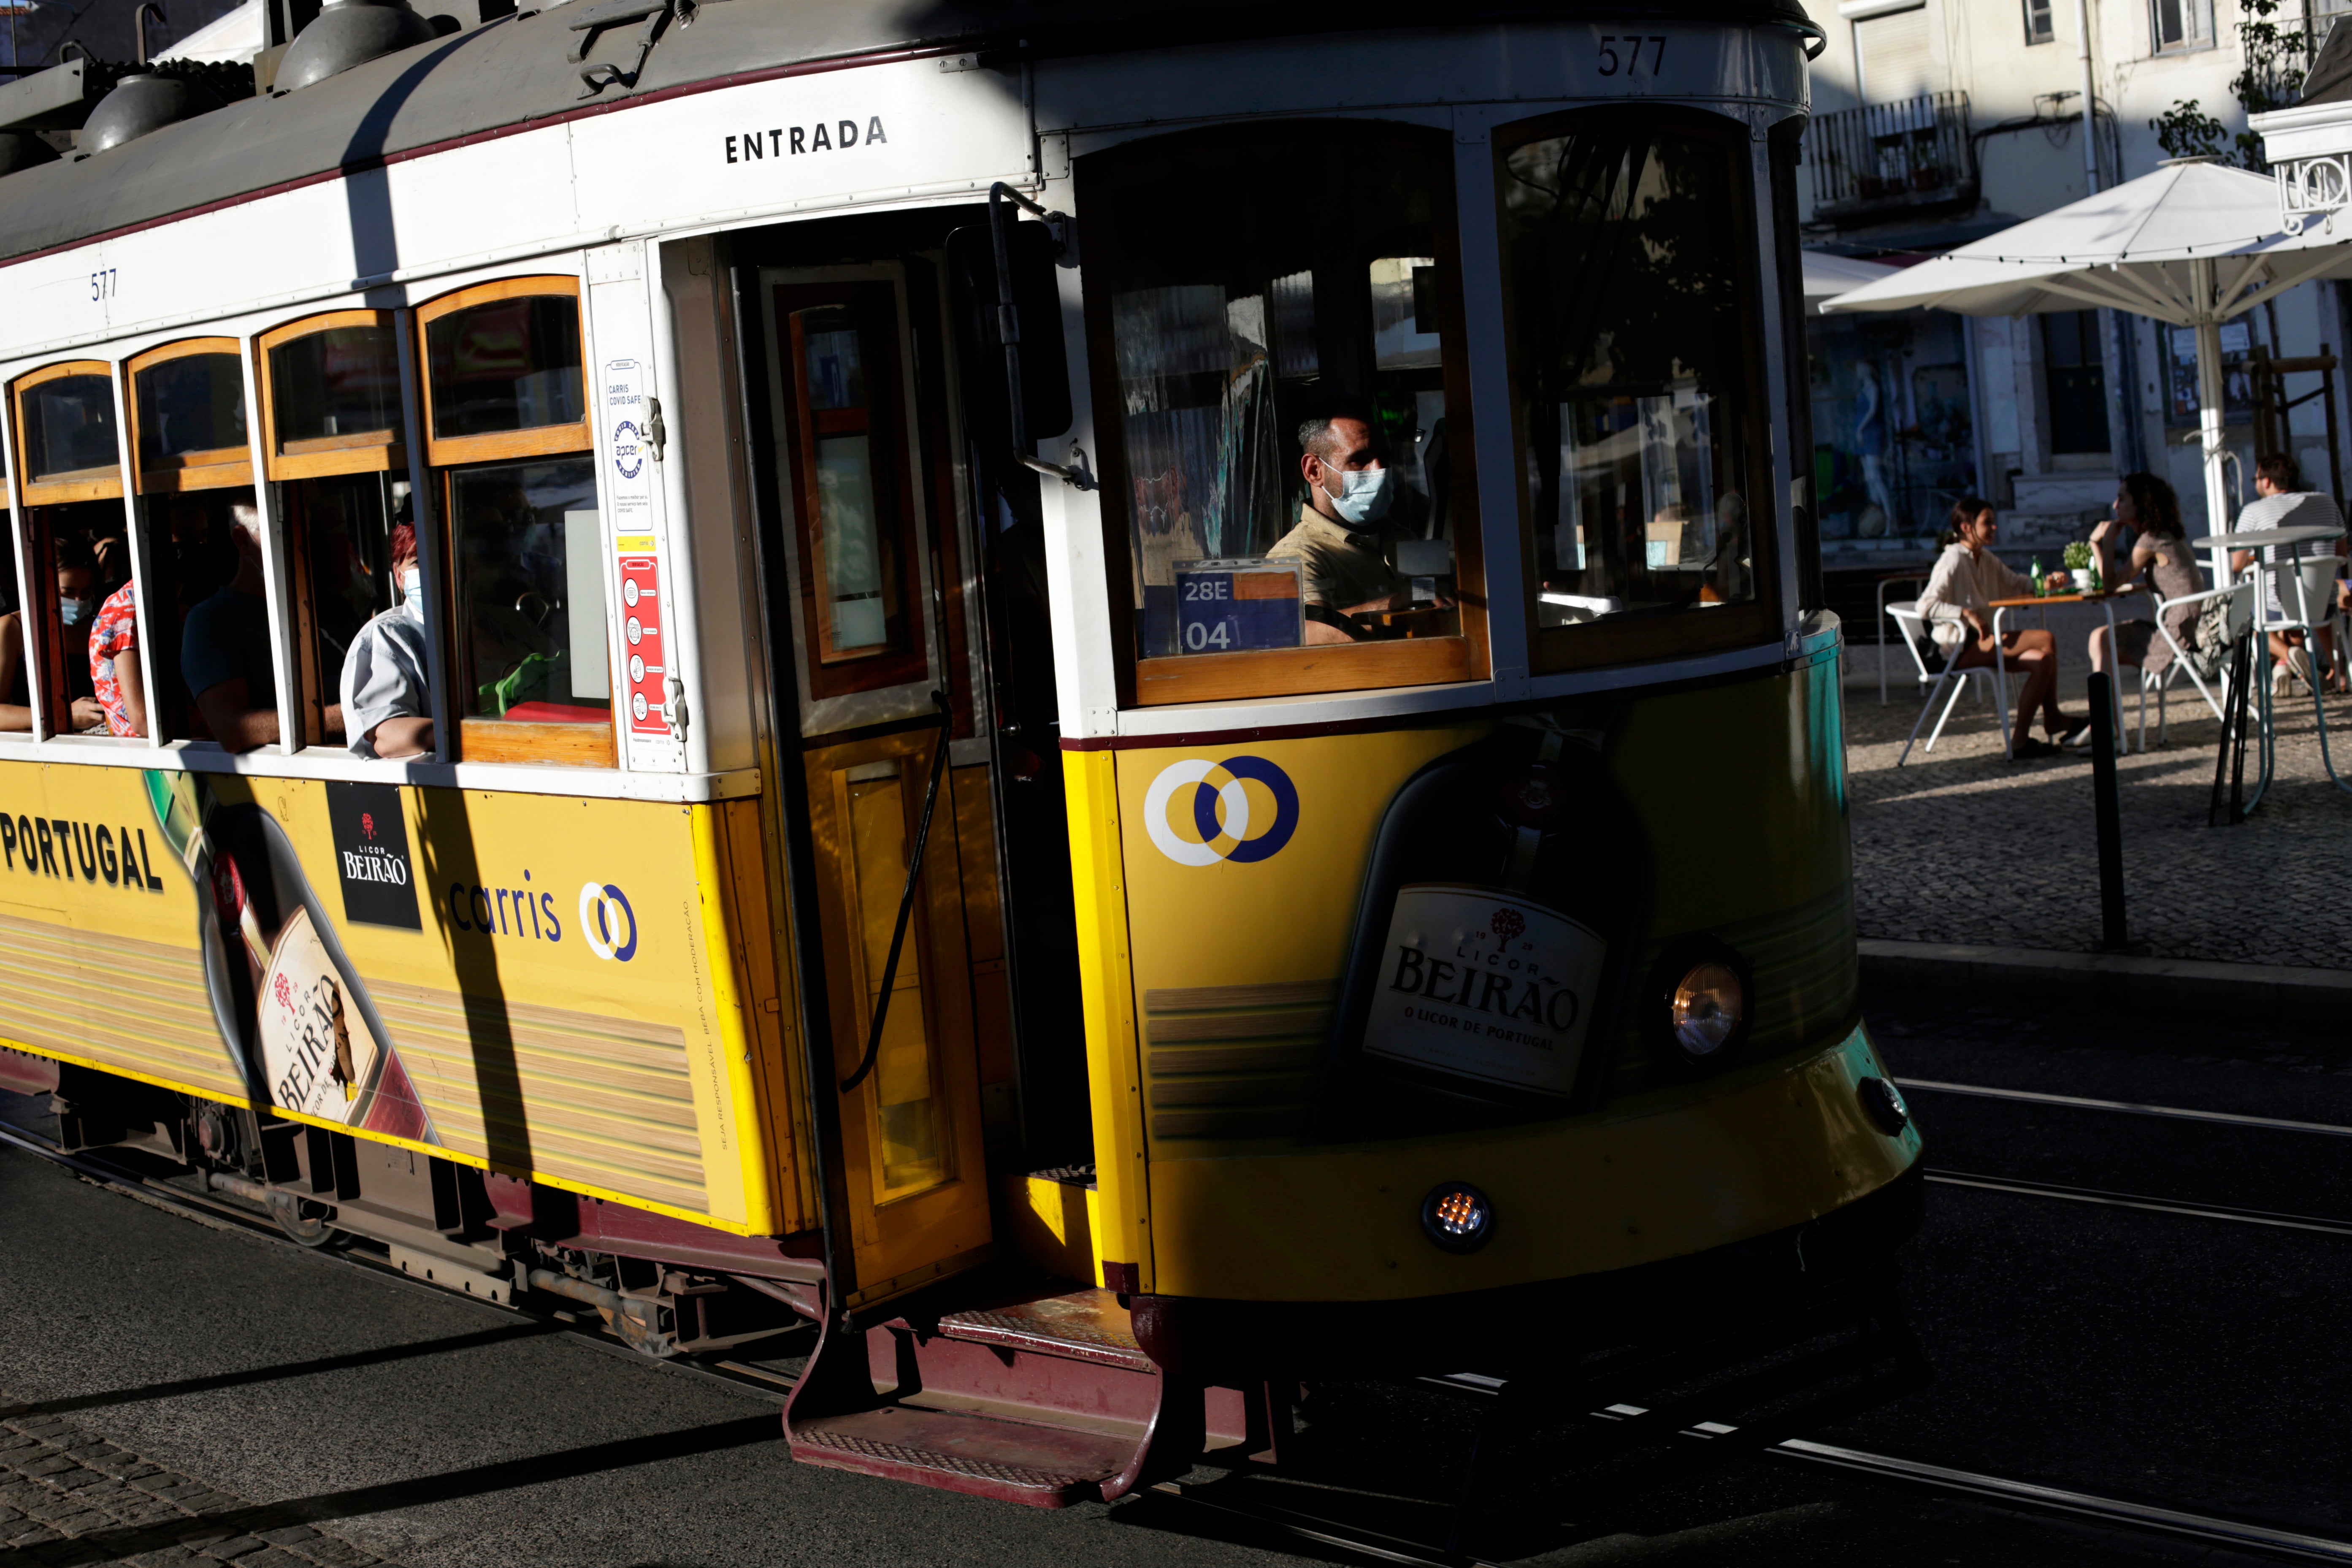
point(1341, 540)
point(77, 601)
point(387, 703)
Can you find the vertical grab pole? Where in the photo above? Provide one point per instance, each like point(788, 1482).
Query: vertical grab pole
point(2108, 809)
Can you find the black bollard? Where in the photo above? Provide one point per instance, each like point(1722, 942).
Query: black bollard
point(2108, 807)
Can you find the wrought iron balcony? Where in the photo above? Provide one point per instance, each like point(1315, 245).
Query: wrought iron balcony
point(1890, 160)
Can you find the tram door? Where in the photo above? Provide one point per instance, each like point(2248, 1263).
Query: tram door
point(864, 522)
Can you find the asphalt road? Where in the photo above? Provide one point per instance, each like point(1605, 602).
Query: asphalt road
point(2188, 1362)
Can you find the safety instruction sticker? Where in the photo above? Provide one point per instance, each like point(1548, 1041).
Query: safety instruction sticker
point(643, 656)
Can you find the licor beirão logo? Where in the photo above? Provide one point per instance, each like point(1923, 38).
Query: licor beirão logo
point(604, 913)
point(1213, 804)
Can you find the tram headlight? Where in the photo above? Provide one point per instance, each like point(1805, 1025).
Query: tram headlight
point(1884, 1105)
point(1705, 1002)
point(1456, 1217)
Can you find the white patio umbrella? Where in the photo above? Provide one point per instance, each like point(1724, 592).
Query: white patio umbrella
point(1828, 276)
point(2193, 244)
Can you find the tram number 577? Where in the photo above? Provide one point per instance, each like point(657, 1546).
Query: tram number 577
point(102, 282)
point(1631, 61)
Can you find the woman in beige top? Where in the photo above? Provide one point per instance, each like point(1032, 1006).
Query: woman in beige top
point(1958, 606)
point(2161, 552)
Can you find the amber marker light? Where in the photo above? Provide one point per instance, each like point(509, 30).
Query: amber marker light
point(1707, 1009)
point(1456, 1216)
point(1702, 1003)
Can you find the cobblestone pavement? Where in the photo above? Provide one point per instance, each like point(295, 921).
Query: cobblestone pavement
point(1962, 845)
point(69, 1498)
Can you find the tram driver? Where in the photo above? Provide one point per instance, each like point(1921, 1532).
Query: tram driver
point(387, 705)
point(1340, 540)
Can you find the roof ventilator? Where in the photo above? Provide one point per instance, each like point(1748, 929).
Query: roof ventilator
point(654, 13)
point(348, 33)
point(139, 104)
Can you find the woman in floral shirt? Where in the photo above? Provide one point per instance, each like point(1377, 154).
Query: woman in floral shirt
point(114, 664)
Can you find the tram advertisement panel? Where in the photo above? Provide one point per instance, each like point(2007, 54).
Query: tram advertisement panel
point(524, 980)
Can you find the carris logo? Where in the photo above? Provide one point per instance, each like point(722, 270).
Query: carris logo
point(1210, 803)
point(604, 913)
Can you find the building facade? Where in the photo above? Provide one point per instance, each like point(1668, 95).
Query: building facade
point(1940, 122)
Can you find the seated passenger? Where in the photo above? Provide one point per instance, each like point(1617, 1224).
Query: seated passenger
point(2146, 503)
point(225, 649)
point(387, 706)
point(114, 675)
point(1959, 611)
point(1340, 538)
point(77, 577)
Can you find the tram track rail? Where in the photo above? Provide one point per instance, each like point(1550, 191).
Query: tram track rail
point(1340, 1534)
point(2127, 1107)
point(207, 1208)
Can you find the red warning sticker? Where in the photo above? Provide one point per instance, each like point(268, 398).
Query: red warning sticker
point(643, 659)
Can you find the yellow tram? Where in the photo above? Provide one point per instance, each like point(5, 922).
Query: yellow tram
point(1126, 701)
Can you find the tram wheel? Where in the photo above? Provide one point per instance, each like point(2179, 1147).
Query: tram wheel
point(305, 1223)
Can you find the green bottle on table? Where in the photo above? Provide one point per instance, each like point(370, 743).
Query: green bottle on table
point(2040, 584)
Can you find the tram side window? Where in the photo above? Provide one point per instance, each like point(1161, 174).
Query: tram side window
point(531, 673)
point(76, 554)
point(534, 663)
point(338, 475)
point(506, 364)
point(1634, 361)
point(78, 561)
point(1288, 374)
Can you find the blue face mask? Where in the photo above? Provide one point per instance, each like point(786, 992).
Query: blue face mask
point(1364, 497)
point(73, 612)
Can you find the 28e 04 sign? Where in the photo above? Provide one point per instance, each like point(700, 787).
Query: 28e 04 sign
point(1225, 607)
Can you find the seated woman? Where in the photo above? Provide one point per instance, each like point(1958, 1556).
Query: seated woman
point(77, 596)
point(387, 708)
point(1958, 608)
point(2161, 554)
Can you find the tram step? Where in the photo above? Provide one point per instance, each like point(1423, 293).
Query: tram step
point(1044, 1466)
point(1087, 1325)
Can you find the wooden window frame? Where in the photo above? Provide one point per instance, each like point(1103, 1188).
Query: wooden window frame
point(1633, 641)
point(1312, 667)
point(81, 484)
point(359, 452)
point(214, 468)
point(906, 662)
point(504, 445)
point(483, 740)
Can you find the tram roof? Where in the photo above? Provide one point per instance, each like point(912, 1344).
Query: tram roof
point(513, 74)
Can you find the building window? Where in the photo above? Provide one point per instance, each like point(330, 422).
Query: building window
point(2038, 26)
point(2075, 374)
point(2183, 25)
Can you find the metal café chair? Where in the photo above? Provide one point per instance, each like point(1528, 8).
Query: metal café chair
point(1913, 627)
point(2306, 598)
point(2162, 681)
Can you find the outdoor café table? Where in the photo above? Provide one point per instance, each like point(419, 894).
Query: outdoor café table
point(2294, 544)
point(2000, 608)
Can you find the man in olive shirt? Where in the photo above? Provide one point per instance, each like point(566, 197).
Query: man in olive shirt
point(1340, 541)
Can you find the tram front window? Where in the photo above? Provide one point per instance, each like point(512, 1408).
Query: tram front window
point(1286, 368)
point(1633, 363)
point(534, 665)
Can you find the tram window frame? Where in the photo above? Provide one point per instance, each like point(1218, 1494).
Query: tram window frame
point(502, 446)
point(76, 484)
point(216, 467)
point(356, 452)
point(880, 304)
point(1171, 160)
point(451, 458)
point(348, 455)
point(1613, 640)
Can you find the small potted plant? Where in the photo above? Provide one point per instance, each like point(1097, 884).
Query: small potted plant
point(2081, 561)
